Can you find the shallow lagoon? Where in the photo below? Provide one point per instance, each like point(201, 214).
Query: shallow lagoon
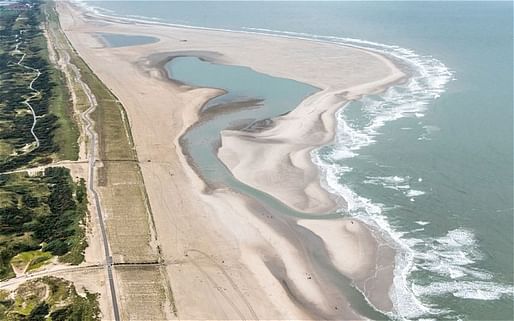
point(244, 87)
point(250, 100)
point(114, 40)
point(459, 154)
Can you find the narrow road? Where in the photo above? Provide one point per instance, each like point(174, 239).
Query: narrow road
point(64, 62)
point(43, 167)
point(35, 275)
point(91, 160)
point(35, 92)
point(93, 140)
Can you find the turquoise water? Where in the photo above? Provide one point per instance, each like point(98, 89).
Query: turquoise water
point(429, 162)
point(242, 84)
point(276, 97)
point(261, 102)
point(115, 40)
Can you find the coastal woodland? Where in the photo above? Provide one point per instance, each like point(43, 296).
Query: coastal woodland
point(42, 214)
point(31, 86)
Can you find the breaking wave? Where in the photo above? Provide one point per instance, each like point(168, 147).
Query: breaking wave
point(451, 256)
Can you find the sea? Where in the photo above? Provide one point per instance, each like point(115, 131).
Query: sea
point(428, 163)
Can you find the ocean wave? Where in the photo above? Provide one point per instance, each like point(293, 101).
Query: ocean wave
point(429, 131)
point(411, 99)
point(405, 302)
point(92, 8)
point(413, 193)
point(485, 291)
point(427, 82)
point(452, 256)
point(396, 183)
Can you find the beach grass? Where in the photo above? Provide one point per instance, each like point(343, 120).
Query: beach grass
point(48, 298)
point(145, 293)
point(119, 177)
point(30, 260)
point(122, 192)
point(111, 123)
point(67, 133)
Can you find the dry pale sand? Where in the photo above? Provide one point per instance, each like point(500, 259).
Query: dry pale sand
point(277, 160)
point(227, 256)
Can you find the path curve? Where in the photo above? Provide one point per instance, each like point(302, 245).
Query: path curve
point(35, 92)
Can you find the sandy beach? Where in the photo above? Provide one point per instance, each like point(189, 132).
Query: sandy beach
point(227, 256)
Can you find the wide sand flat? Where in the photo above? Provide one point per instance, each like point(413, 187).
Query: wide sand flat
point(228, 257)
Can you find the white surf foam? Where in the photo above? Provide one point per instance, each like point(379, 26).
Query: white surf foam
point(411, 99)
point(396, 183)
point(476, 290)
point(405, 302)
point(413, 193)
point(427, 82)
point(452, 256)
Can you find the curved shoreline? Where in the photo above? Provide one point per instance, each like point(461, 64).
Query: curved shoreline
point(365, 279)
point(383, 253)
point(265, 242)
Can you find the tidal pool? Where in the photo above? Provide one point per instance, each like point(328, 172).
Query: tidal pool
point(115, 40)
point(251, 99)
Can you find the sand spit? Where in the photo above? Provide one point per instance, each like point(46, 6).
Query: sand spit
point(277, 160)
point(227, 256)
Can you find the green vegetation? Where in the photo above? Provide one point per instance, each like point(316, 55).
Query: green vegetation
point(48, 299)
point(30, 260)
point(111, 122)
point(66, 134)
point(120, 176)
point(44, 212)
point(40, 216)
point(20, 34)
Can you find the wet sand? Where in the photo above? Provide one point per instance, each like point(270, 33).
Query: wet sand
point(229, 256)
